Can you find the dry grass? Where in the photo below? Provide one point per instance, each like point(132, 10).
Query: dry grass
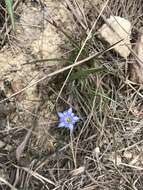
point(107, 143)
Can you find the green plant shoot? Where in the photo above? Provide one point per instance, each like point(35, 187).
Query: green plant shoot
point(9, 6)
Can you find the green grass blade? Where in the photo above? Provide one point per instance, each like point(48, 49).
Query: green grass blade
point(9, 6)
point(84, 73)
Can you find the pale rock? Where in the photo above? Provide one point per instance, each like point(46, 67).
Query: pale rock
point(134, 160)
point(128, 155)
point(140, 48)
point(96, 151)
point(118, 29)
point(116, 159)
point(2, 144)
point(77, 171)
point(9, 148)
point(136, 68)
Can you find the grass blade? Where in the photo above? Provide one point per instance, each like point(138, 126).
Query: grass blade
point(10, 11)
point(84, 73)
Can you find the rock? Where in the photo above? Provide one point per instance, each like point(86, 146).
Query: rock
point(2, 144)
point(77, 171)
point(140, 48)
point(8, 148)
point(120, 30)
point(96, 151)
point(135, 160)
point(116, 159)
point(136, 67)
point(128, 155)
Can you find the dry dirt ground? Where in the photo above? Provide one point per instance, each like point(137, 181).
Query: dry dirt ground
point(106, 150)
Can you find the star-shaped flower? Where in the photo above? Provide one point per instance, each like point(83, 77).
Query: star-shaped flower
point(67, 119)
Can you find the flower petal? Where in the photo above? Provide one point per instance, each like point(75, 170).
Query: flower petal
point(70, 127)
point(76, 118)
point(61, 125)
point(60, 114)
point(65, 113)
point(70, 110)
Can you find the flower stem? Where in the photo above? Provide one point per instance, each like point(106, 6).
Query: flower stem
point(72, 149)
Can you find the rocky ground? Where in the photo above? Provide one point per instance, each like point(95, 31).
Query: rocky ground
point(105, 91)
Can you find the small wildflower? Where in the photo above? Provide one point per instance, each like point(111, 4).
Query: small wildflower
point(67, 119)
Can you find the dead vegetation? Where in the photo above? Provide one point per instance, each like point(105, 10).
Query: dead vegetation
point(57, 60)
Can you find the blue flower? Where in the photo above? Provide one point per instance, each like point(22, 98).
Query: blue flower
point(67, 119)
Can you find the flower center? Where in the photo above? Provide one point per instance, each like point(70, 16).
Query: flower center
point(68, 119)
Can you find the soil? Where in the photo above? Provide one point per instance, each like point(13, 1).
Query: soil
point(36, 154)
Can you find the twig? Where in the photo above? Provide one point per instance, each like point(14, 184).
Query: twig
point(7, 183)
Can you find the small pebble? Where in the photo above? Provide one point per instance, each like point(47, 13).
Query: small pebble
point(2, 144)
point(8, 148)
